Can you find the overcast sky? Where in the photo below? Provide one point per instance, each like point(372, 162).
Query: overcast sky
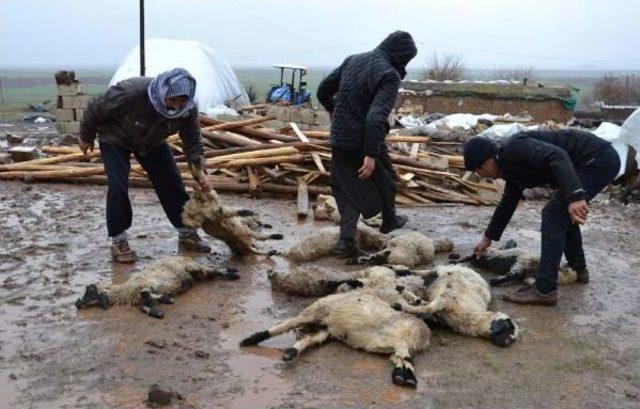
point(556, 34)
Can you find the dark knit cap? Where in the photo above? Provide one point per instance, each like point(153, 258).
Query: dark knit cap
point(477, 150)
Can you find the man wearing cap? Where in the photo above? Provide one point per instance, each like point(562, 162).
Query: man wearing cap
point(135, 116)
point(578, 164)
point(359, 95)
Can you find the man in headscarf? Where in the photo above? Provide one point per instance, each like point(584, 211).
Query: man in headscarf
point(135, 116)
point(360, 95)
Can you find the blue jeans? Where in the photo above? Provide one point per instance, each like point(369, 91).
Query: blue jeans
point(559, 234)
point(163, 174)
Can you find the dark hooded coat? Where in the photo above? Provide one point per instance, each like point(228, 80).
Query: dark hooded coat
point(360, 94)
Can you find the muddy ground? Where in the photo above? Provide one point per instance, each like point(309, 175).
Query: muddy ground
point(583, 354)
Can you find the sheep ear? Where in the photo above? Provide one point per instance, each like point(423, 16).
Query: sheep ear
point(430, 278)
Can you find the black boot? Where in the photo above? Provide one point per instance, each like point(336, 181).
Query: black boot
point(398, 222)
point(346, 248)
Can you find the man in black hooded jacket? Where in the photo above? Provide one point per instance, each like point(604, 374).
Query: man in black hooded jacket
point(577, 163)
point(360, 95)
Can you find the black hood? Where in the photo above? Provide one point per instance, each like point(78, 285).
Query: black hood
point(400, 48)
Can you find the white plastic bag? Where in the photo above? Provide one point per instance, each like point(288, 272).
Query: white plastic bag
point(611, 133)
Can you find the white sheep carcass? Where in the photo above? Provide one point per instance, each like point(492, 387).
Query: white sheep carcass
point(310, 279)
point(515, 265)
point(360, 320)
point(320, 243)
point(460, 297)
point(205, 210)
point(326, 208)
point(410, 249)
point(156, 283)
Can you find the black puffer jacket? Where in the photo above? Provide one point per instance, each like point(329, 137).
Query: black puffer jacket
point(124, 116)
point(542, 158)
point(361, 92)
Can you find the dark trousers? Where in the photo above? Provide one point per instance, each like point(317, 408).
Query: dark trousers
point(163, 174)
point(355, 196)
point(559, 234)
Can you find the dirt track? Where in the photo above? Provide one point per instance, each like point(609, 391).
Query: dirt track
point(583, 354)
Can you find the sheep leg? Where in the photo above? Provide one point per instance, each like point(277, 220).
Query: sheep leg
point(284, 326)
point(516, 273)
point(403, 373)
point(376, 259)
point(265, 236)
point(431, 308)
point(408, 295)
point(148, 303)
point(305, 342)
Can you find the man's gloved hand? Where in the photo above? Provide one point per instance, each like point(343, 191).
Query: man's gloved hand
point(578, 211)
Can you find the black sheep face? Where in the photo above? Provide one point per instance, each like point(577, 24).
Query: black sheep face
point(91, 297)
point(503, 332)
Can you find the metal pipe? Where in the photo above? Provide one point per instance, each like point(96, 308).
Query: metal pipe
point(142, 67)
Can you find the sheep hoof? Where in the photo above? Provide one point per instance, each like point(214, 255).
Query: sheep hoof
point(404, 377)
point(396, 306)
point(245, 213)
point(165, 299)
point(402, 272)
point(266, 226)
point(417, 302)
point(231, 273)
point(399, 288)
point(255, 339)
point(289, 354)
point(276, 236)
point(152, 312)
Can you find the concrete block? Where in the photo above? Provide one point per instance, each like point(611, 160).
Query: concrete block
point(14, 139)
point(79, 114)
point(65, 115)
point(5, 158)
point(303, 116)
point(78, 101)
point(68, 127)
point(280, 112)
point(70, 90)
point(23, 153)
point(322, 117)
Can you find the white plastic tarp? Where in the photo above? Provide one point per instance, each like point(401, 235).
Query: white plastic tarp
point(216, 83)
point(451, 121)
point(497, 132)
point(611, 133)
point(630, 133)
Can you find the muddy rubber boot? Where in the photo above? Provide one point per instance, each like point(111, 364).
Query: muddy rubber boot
point(530, 295)
point(193, 243)
point(122, 253)
point(398, 223)
point(346, 248)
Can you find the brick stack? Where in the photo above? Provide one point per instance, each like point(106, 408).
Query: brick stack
point(71, 103)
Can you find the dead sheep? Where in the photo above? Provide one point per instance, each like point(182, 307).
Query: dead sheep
point(320, 243)
point(312, 280)
point(515, 265)
point(326, 208)
point(231, 226)
point(460, 297)
point(410, 249)
point(360, 320)
point(156, 283)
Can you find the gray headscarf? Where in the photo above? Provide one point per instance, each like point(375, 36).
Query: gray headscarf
point(172, 83)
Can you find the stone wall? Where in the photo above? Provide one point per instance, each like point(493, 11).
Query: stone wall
point(540, 110)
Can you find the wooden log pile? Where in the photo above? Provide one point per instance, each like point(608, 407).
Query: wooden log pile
point(244, 157)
